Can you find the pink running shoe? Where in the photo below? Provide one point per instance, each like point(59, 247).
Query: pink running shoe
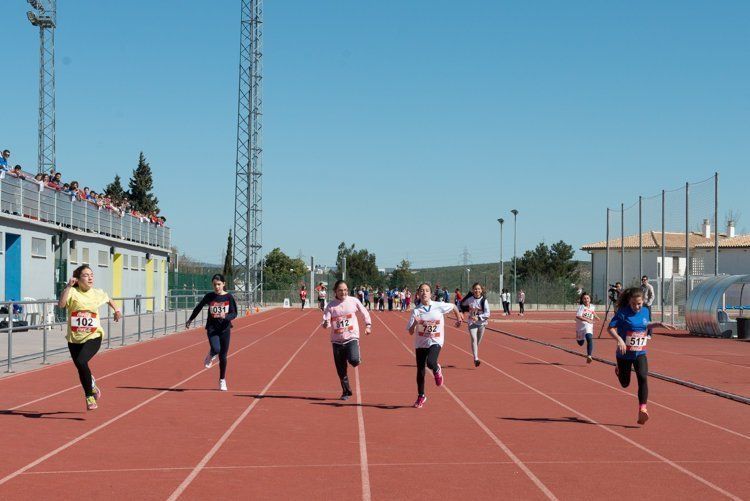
point(421, 399)
point(642, 415)
point(439, 376)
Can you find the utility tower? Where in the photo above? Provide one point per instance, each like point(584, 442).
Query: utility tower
point(44, 16)
point(248, 209)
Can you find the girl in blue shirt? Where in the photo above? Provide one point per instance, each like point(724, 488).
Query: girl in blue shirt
point(630, 327)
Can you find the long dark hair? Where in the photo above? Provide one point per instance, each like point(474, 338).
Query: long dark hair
point(474, 285)
point(627, 295)
point(584, 293)
point(77, 273)
point(219, 277)
point(337, 283)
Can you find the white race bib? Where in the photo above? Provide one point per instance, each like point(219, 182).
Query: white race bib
point(429, 328)
point(218, 309)
point(342, 323)
point(84, 322)
point(636, 341)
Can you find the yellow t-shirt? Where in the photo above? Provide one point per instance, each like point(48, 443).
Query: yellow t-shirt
point(83, 314)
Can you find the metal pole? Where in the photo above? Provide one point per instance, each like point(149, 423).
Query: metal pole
point(606, 261)
point(312, 280)
point(109, 332)
point(122, 330)
point(166, 309)
point(687, 241)
point(10, 338)
point(671, 311)
point(343, 268)
point(45, 329)
point(153, 318)
point(502, 265)
point(138, 304)
point(716, 224)
point(622, 244)
point(640, 236)
point(663, 254)
point(515, 259)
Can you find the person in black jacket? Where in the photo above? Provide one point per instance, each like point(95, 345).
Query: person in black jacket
point(222, 309)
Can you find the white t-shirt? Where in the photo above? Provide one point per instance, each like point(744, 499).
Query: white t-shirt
point(430, 323)
point(585, 312)
point(505, 297)
point(477, 314)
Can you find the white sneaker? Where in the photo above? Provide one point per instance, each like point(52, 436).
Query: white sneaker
point(222, 384)
point(209, 360)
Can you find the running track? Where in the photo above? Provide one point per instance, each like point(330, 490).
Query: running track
point(532, 422)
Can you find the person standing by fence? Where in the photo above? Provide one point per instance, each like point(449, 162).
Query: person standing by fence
point(648, 297)
point(505, 298)
point(303, 296)
point(521, 302)
point(85, 332)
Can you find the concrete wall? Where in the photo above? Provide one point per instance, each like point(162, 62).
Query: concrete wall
point(76, 248)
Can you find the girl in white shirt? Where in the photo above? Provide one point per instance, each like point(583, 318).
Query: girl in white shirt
point(478, 307)
point(585, 316)
point(428, 323)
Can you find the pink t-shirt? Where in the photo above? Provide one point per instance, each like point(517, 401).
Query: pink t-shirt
point(343, 318)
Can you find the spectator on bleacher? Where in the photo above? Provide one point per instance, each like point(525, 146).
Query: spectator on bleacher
point(17, 172)
point(4, 160)
point(54, 182)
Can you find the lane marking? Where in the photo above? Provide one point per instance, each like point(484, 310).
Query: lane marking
point(211, 453)
point(357, 465)
point(520, 464)
point(363, 467)
point(617, 434)
point(99, 378)
point(620, 390)
point(127, 412)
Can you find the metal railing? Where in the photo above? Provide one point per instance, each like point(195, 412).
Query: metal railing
point(28, 199)
point(28, 331)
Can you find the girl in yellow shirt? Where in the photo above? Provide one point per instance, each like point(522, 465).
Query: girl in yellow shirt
point(84, 327)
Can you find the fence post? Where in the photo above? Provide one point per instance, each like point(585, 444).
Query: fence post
point(606, 261)
point(138, 306)
point(671, 311)
point(109, 332)
point(716, 224)
point(640, 236)
point(622, 244)
point(166, 309)
point(663, 254)
point(45, 329)
point(122, 331)
point(687, 239)
point(153, 317)
point(10, 338)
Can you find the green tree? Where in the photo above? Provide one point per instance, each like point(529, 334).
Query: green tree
point(360, 266)
point(281, 272)
point(140, 186)
point(115, 191)
point(228, 258)
point(403, 276)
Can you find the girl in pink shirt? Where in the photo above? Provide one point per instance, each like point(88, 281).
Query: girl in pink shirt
point(341, 316)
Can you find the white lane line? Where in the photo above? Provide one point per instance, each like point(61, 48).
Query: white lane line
point(364, 469)
point(357, 465)
point(210, 454)
point(620, 390)
point(99, 378)
point(617, 434)
point(69, 444)
point(540, 485)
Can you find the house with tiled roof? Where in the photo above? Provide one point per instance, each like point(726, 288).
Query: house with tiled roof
point(734, 256)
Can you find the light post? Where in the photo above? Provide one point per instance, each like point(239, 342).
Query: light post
point(515, 274)
point(468, 281)
point(502, 266)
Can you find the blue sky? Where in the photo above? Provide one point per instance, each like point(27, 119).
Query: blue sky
point(406, 127)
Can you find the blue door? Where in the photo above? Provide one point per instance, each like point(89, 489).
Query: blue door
point(12, 267)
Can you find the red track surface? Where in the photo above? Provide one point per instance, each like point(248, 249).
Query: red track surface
point(532, 422)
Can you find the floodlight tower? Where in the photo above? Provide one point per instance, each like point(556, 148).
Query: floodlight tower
point(248, 209)
point(44, 16)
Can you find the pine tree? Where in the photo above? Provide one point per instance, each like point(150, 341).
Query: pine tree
point(141, 184)
point(228, 257)
point(115, 191)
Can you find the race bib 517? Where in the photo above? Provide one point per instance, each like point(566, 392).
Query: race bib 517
point(636, 341)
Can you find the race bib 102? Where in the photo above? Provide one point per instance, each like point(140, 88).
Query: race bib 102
point(636, 341)
point(84, 322)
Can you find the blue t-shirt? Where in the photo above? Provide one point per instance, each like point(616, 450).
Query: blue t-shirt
point(3, 162)
point(626, 320)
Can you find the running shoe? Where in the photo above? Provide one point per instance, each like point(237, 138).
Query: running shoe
point(95, 388)
point(439, 376)
point(209, 360)
point(588, 359)
point(222, 384)
point(421, 399)
point(91, 403)
point(642, 415)
point(345, 396)
point(477, 363)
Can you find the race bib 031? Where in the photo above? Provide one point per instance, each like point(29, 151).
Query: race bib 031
point(218, 309)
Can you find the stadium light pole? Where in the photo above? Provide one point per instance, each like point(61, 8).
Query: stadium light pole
point(502, 265)
point(515, 274)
